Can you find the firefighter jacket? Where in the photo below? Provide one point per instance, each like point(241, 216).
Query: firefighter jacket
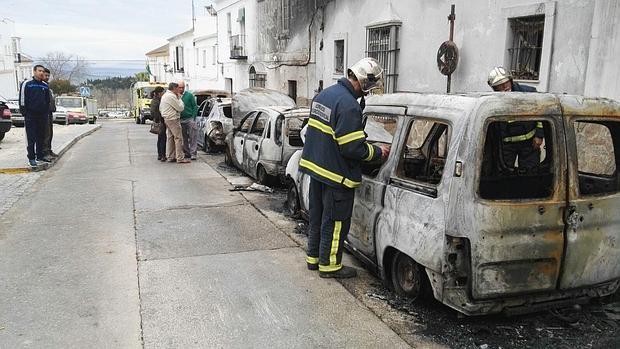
point(34, 98)
point(518, 131)
point(335, 140)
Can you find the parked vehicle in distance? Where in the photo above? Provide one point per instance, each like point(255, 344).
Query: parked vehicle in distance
point(141, 100)
point(214, 123)
point(264, 142)
point(5, 119)
point(447, 213)
point(79, 109)
point(16, 116)
point(60, 115)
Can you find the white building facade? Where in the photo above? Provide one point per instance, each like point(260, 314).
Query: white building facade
point(299, 47)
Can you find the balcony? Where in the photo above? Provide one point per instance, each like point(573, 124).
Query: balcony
point(237, 47)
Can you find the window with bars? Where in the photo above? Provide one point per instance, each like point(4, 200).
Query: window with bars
point(382, 44)
point(525, 51)
point(339, 56)
point(286, 15)
point(257, 79)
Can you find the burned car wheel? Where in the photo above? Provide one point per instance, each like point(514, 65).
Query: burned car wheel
point(262, 176)
point(207, 145)
point(292, 199)
point(227, 158)
point(406, 276)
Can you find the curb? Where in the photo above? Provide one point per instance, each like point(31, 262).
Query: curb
point(63, 149)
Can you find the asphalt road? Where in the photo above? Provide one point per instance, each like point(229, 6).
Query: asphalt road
point(113, 249)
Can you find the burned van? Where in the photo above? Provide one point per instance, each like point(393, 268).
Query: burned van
point(483, 223)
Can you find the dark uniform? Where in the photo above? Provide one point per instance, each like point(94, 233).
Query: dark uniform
point(517, 138)
point(34, 104)
point(49, 129)
point(334, 147)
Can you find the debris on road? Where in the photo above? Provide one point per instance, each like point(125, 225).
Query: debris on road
point(253, 187)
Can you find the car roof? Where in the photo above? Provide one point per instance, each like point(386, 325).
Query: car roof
point(458, 106)
point(286, 111)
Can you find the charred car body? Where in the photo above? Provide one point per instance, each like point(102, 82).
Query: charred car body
point(447, 210)
point(214, 123)
point(265, 141)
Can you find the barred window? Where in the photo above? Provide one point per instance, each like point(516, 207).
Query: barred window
point(339, 56)
point(526, 48)
point(286, 15)
point(257, 79)
point(382, 44)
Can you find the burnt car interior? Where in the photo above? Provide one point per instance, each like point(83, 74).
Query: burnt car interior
point(500, 180)
point(424, 155)
point(379, 129)
point(597, 142)
point(293, 130)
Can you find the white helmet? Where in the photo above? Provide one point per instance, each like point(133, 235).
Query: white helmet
point(369, 73)
point(498, 76)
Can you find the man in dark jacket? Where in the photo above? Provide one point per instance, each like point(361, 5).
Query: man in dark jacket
point(521, 139)
point(34, 105)
point(49, 130)
point(156, 114)
point(335, 146)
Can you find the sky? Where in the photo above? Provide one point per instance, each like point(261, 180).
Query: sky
point(100, 31)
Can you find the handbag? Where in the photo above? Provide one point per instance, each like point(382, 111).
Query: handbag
point(154, 128)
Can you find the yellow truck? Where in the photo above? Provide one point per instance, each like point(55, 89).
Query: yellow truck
point(141, 100)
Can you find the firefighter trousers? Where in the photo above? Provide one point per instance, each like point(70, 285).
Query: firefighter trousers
point(330, 211)
point(528, 157)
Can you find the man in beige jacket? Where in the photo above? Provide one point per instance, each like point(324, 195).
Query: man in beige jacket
point(171, 107)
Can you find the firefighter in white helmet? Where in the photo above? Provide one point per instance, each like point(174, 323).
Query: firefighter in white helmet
point(335, 145)
point(521, 139)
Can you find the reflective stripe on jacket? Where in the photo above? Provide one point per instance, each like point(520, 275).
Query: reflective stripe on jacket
point(519, 131)
point(335, 139)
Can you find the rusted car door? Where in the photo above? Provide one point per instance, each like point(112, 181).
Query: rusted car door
point(592, 221)
point(253, 140)
point(380, 128)
point(517, 218)
point(239, 138)
point(270, 151)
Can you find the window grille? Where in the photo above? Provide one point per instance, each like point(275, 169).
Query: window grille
point(382, 44)
point(526, 49)
point(286, 15)
point(339, 56)
point(257, 79)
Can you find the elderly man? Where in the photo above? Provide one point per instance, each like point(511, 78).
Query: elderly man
point(188, 122)
point(170, 108)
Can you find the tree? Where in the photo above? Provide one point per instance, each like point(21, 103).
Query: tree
point(142, 76)
point(60, 86)
point(64, 66)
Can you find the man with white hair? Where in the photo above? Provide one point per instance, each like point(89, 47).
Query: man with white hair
point(171, 107)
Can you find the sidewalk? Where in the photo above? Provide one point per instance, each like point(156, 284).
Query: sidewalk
point(13, 148)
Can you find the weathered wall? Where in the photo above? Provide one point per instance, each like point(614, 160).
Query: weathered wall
point(481, 33)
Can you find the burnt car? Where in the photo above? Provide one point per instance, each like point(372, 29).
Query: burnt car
point(214, 123)
point(264, 142)
point(5, 119)
point(203, 95)
point(448, 213)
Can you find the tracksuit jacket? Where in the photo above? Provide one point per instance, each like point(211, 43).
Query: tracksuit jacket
point(335, 140)
point(34, 98)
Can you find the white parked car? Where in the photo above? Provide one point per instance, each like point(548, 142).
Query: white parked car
point(214, 123)
point(265, 141)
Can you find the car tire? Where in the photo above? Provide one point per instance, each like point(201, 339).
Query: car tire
point(207, 145)
point(406, 276)
point(1, 136)
point(262, 176)
point(137, 120)
point(228, 158)
point(292, 199)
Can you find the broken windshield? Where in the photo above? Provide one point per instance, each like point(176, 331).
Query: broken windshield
point(380, 128)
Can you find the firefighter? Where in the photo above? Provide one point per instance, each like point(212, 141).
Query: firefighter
point(520, 139)
point(334, 147)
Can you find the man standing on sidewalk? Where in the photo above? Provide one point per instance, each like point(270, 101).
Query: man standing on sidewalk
point(49, 131)
point(188, 122)
point(34, 105)
point(171, 107)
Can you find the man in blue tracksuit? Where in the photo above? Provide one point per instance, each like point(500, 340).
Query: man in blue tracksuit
point(34, 105)
point(335, 146)
point(521, 139)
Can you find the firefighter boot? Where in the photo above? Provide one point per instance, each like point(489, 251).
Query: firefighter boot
point(343, 273)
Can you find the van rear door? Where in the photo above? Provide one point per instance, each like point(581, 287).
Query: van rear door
point(592, 218)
